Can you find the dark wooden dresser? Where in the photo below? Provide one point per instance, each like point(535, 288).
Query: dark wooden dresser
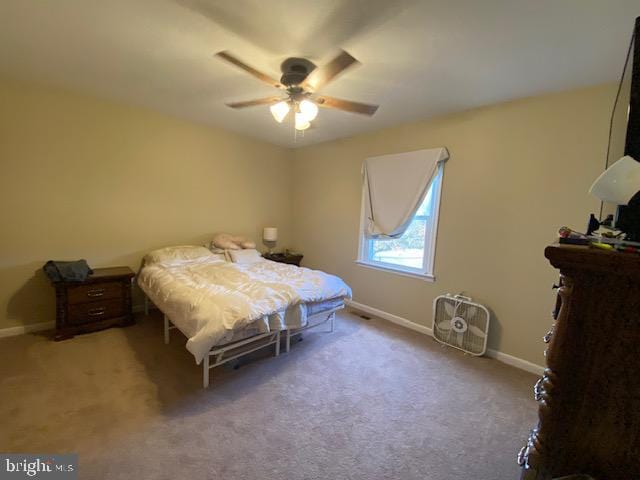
point(101, 301)
point(589, 396)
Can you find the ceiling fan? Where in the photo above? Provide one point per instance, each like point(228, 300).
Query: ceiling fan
point(300, 82)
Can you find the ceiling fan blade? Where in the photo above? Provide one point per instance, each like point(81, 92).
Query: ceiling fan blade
point(319, 77)
point(263, 77)
point(253, 103)
point(346, 105)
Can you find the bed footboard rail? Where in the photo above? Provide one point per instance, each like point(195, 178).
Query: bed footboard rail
point(330, 319)
point(220, 355)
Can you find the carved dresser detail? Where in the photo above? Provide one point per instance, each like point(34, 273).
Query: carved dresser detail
point(589, 395)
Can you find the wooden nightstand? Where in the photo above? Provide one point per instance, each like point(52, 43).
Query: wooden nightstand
point(284, 258)
point(101, 301)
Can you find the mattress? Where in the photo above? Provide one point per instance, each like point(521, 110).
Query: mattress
point(211, 301)
point(260, 326)
point(314, 308)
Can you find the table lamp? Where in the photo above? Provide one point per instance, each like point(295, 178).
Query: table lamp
point(618, 183)
point(270, 237)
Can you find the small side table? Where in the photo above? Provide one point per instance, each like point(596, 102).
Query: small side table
point(101, 301)
point(284, 258)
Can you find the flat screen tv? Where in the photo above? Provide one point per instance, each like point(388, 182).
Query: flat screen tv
point(625, 131)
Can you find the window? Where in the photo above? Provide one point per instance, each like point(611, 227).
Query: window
point(413, 253)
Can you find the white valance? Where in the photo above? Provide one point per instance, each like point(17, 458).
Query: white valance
point(395, 186)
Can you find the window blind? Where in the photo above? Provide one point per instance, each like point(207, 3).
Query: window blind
point(394, 187)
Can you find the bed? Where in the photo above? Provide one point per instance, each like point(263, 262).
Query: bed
point(228, 309)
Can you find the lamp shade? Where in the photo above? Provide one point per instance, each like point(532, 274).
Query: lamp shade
point(301, 122)
point(279, 111)
point(270, 234)
point(308, 109)
point(618, 183)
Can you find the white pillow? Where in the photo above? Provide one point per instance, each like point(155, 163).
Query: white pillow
point(225, 241)
point(213, 248)
point(244, 243)
point(220, 256)
point(177, 253)
point(249, 255)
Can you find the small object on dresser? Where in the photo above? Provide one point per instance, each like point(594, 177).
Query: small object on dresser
point(290, 258)
point(571, 237)
point(100, 301)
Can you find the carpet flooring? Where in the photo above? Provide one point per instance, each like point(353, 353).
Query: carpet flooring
point(369, 401)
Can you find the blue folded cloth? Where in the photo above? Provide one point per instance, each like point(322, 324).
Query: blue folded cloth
point(75, 271)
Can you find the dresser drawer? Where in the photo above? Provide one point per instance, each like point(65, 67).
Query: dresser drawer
point(94, 291)
point(95, 311)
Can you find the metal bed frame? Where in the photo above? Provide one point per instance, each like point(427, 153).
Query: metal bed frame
point(225, 353)
point(331, 318)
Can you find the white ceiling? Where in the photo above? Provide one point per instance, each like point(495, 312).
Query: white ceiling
point(420, 58)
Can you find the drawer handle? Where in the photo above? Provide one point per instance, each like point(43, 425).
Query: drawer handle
point(547, 336)
point(522, 456)
point(96, 312)
point(96, 292)
point(538, 390)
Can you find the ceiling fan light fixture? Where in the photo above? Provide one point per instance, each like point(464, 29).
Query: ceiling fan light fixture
point(301, 121)
point(279, 110)
point(299, 81)
point(308, 109)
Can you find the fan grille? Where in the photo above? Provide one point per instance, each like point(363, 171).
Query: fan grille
point(474, 317)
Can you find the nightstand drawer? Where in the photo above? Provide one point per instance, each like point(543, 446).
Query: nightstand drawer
point(103, 300)
point(95, 311)
point(94, 291)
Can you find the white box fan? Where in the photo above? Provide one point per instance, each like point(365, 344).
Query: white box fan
point(461, 323)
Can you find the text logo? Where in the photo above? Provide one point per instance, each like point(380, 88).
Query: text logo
point(38, 466)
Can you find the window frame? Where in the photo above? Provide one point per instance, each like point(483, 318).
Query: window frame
point(428, 260)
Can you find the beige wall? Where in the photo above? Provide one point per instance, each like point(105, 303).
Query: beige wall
point(517, 172)
point(88, 178)
point(106, 182)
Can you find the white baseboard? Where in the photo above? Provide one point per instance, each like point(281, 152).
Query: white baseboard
point(500, 356)
point(390, 317)
point(38, 327)
point(516, 362)
point(30, 328)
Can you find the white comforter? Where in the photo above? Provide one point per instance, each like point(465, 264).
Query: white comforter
point(208, 298)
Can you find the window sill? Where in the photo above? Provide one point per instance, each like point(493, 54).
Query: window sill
point(420, 276)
